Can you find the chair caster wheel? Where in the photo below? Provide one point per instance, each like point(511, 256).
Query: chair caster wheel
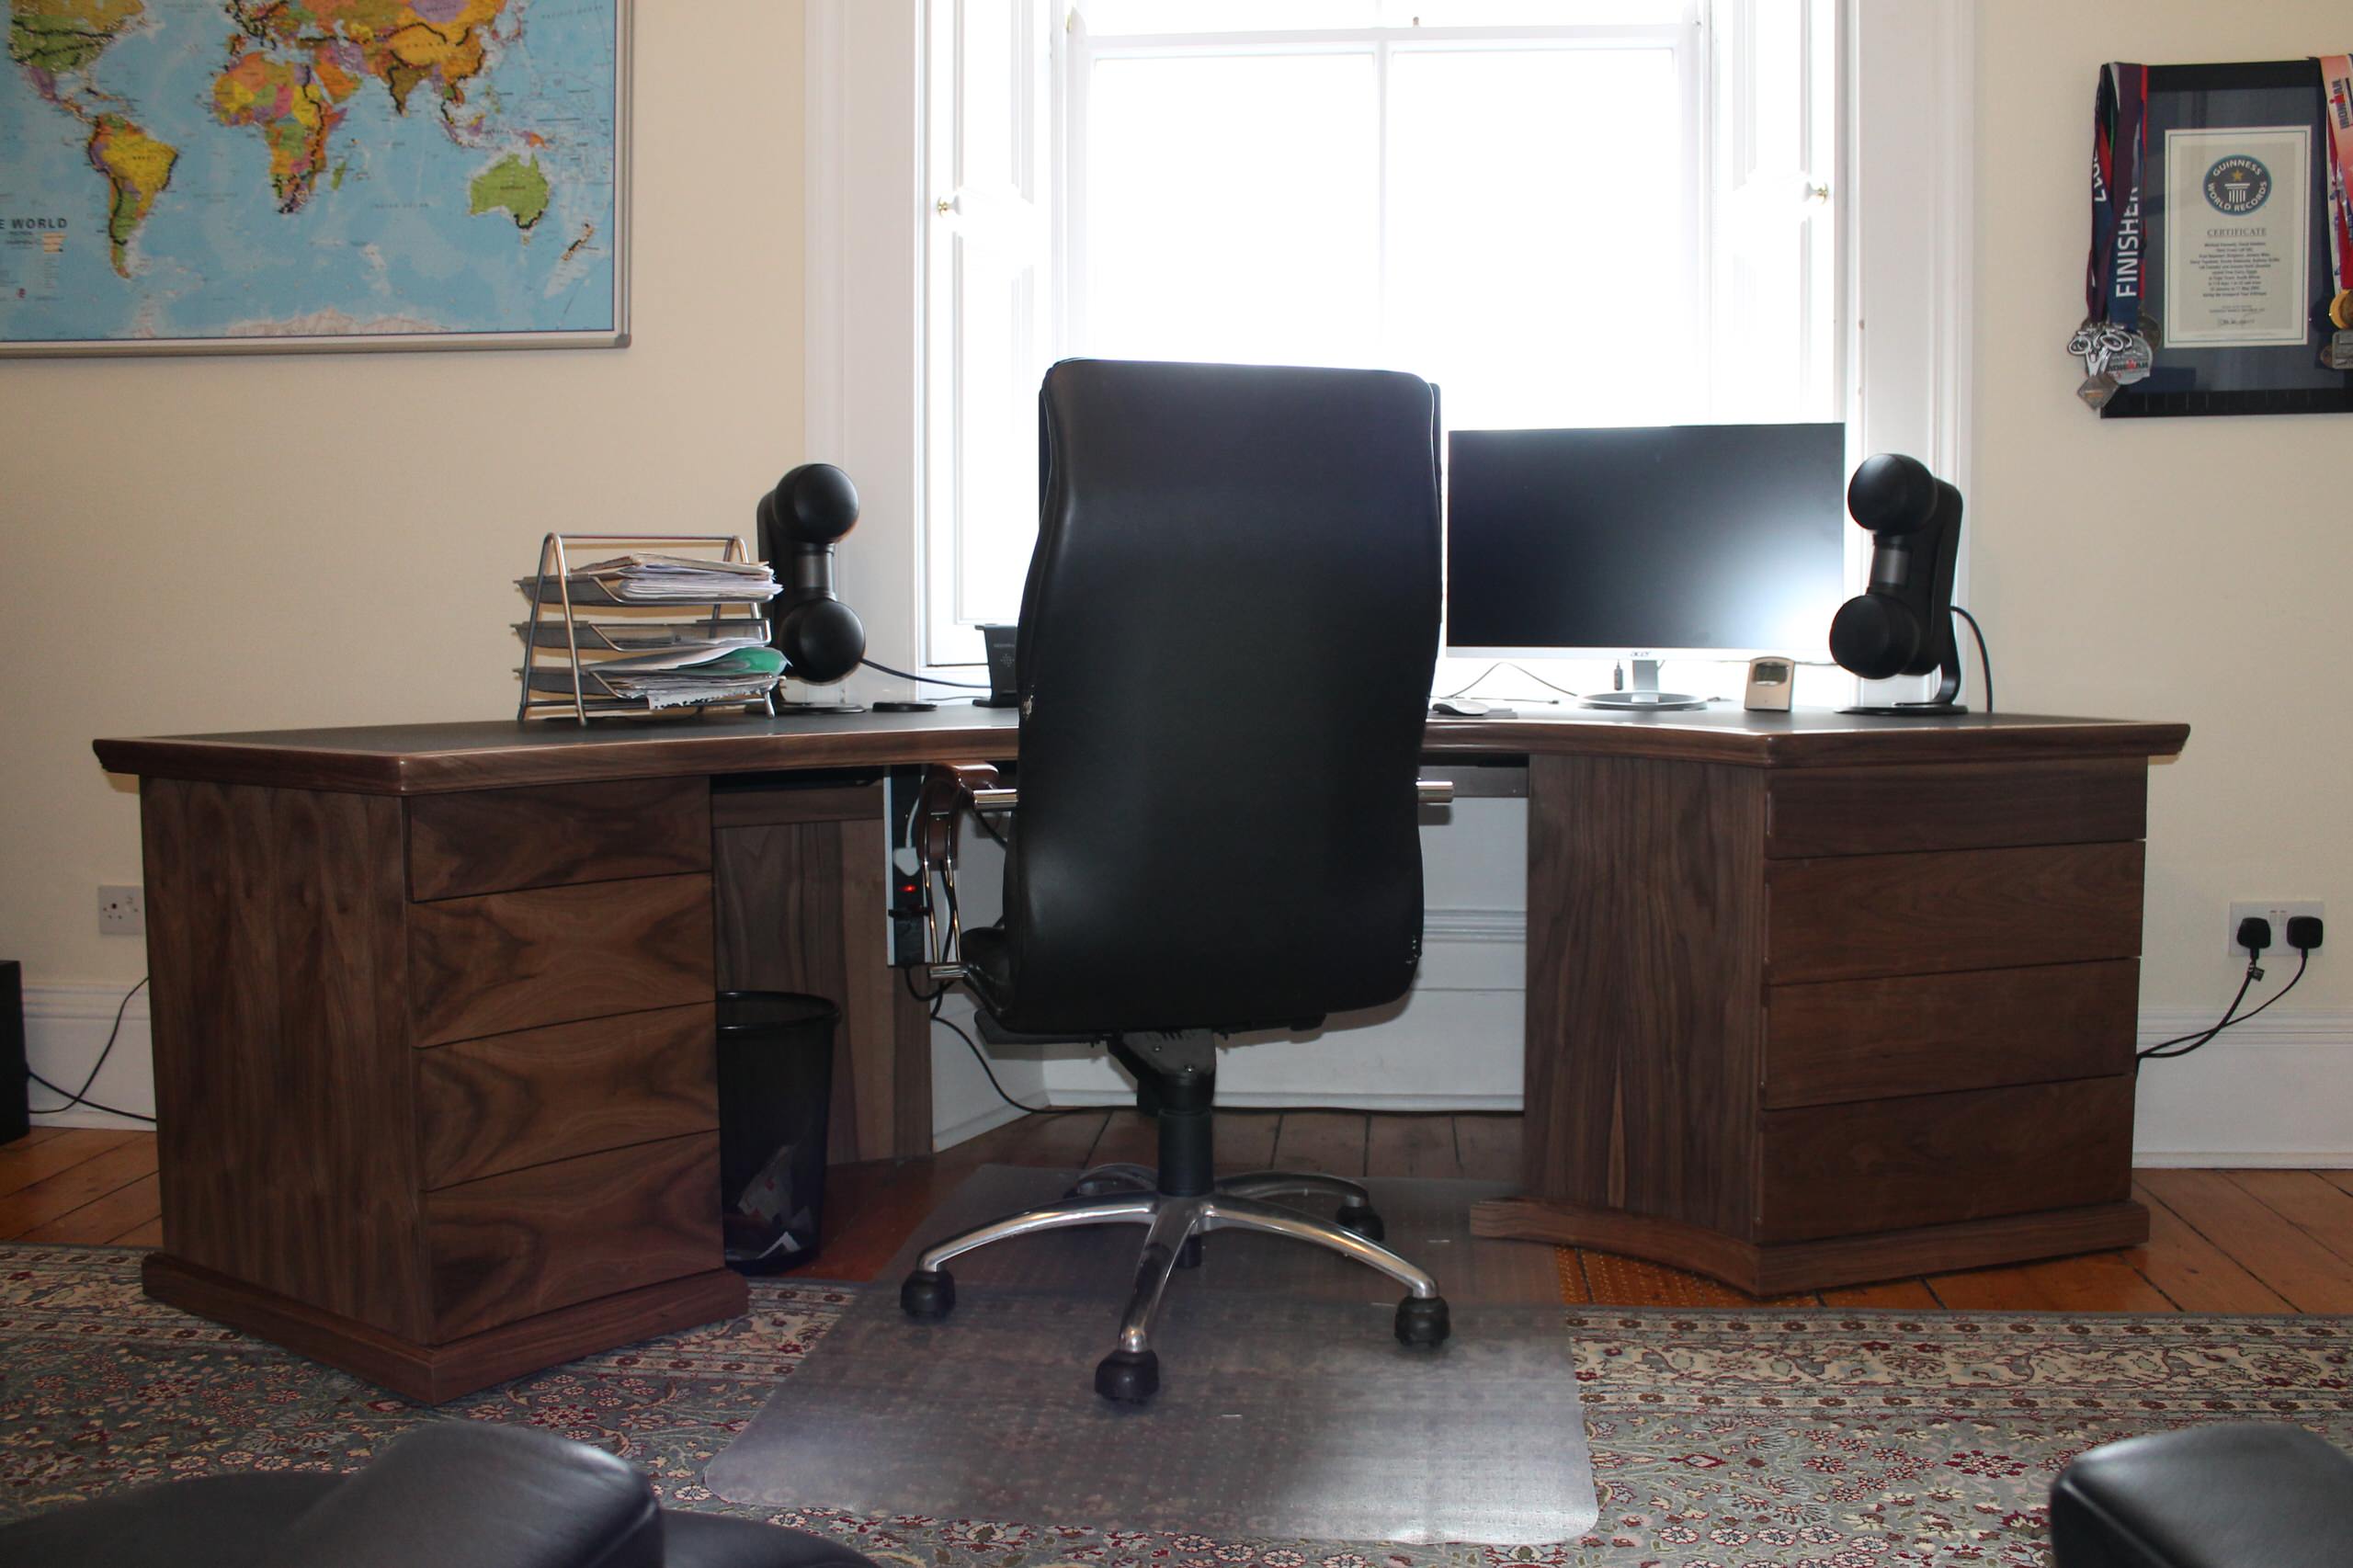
point(1358, 1219)
point(928, 1293)
point(1128, 1377)
point(1422, 1321)
point(1190, 1255)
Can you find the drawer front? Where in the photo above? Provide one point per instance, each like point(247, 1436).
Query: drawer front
point(512, 1100)
point(518, 961)
point(1934, 1159)
point(1853, 917)
point(497, 840)
point(1868, 1040)
point(515, 1245)
point(1882, 810)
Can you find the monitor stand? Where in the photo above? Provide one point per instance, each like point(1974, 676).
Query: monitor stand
point(1644, 695)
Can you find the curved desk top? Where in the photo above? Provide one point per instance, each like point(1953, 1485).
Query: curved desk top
point(415, 759)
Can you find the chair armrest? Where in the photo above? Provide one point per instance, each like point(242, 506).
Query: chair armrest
point(471, 1495)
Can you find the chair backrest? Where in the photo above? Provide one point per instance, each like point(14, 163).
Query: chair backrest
point(1226, 644)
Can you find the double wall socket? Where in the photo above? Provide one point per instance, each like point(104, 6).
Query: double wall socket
point(2276, 910)
point(122, 911)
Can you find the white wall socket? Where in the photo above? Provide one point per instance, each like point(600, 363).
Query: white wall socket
point(2277, 910)
point(122, 911)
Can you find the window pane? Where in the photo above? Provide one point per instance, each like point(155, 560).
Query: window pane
point(1539, 268)
point(1529, 13)
point(1232, 208)
point(1105, 18)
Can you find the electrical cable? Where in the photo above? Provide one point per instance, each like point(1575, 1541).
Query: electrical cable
point(1516, 668)
point(972, 1046)
point(1483, 675)
point(2230, 1015)
point(1984, 660)
point(935, 1000)
point(924, 680)
point(2158, 1052)
point(1547, 685)
point(81, 1097)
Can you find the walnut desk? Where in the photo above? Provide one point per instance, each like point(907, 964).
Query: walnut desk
point(1809, 999)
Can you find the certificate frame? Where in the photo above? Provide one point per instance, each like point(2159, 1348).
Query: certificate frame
point(2270, 99)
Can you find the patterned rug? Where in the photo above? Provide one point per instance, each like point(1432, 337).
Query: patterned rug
point(1721, 1439)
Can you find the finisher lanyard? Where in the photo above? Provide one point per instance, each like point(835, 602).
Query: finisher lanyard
point(2114, 350)
point(2336, 111)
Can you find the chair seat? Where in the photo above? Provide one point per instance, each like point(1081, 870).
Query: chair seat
point(2234, 1496)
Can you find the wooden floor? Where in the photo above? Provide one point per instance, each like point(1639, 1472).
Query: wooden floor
point(2263, 1241)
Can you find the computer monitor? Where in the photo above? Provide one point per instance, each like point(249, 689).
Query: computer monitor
point(1712, 542)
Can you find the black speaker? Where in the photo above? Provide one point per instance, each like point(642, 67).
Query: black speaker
point(801, 520)
point(1005, 687)
point(1902, 625)
point(15, 1117)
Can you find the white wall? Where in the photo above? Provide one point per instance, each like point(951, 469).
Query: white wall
point(2184, 569)
point(240, 543)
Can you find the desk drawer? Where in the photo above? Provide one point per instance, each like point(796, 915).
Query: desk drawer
point(515, 1245)
point(1933, 1159)
point(1864, 1039)
point(1879, 810)
point(518, 961)
point(512, 1100)
point(484, 841)
point(1856, 916)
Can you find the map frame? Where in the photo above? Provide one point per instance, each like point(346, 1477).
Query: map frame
point(615, 336)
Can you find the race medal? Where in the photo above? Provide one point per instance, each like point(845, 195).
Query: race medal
point(2337, 114)
point(2131, 360)
point(2096, 390)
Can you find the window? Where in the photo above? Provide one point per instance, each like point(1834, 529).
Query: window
point(1606, 211)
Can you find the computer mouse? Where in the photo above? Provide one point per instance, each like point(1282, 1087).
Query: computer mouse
point(1467, 708)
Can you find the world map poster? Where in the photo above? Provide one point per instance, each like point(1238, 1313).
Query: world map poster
point(211, 175)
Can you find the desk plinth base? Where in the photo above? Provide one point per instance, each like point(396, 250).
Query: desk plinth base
point(433, 1373)
point(1779, 1268)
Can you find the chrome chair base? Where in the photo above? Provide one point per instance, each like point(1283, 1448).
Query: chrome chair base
point(1125, 1194)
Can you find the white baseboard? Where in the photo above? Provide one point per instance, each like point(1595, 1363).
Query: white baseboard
point(65, 1028)
point(2276, 1090)
point(972, 1126)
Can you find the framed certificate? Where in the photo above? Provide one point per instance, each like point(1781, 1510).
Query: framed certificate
point(2236, 280)
point(2237, 231)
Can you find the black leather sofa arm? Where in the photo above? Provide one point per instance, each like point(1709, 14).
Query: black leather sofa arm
point(462, 1495)
point(2237, 1494)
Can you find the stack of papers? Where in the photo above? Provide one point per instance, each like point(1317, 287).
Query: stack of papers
point(646, 636)
point(675, 678)
point(646, 579)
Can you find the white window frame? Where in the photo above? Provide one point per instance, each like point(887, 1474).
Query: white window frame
point(1905, 158)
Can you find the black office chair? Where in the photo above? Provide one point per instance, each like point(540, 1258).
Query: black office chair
point(1225, 652)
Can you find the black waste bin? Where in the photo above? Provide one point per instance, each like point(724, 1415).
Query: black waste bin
point(776, 1080)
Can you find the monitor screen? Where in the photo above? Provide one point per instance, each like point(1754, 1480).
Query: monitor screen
point(1687, 538)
